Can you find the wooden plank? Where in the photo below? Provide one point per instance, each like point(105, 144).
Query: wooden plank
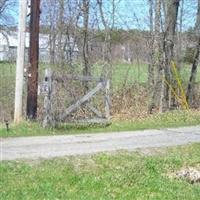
point(91, 121)
point(81, 101)
point(61, 78)
point(94, 110)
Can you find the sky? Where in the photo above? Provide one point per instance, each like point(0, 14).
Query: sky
point(136, 13)
point(131, 14)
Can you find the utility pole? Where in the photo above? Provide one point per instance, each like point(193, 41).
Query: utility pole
point(20, 61)
point(33, 60)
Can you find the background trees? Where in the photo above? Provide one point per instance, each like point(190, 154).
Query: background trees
point(7, 13)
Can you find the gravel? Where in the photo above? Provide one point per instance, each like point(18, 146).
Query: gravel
point(47, 147)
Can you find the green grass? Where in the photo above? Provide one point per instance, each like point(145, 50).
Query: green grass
point(7, 82)
point(185, 73)
point(126, 74)
point(123, 74)
point(120, 175)
point(170, 119)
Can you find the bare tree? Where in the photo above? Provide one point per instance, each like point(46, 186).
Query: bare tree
point(107, 71)
point(168, 47)
point(6, 16)
point(151, 66)
point(157, 97)
point(50, 8)
point(86, 69)
point(60, 31)
point(190, 88)
point(3, 4)
point(164, 53)
point(179, 36)
point(62, 19)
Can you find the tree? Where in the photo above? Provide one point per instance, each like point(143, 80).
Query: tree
point(107, 54)
point(86, 69)
point(48, 20)
point(151, 65)
point(168, 50)
point(164, 53)
point(157, 96)
point(6, 16)
point(3, 5)
point(60, 31)
point(190, 88)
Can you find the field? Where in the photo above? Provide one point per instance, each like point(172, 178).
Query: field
point(120, 175)
point(129, 74)
point(123, 74)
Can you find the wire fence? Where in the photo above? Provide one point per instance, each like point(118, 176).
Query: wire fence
point(129, 88)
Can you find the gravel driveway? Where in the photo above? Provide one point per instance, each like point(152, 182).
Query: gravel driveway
point(56, 146)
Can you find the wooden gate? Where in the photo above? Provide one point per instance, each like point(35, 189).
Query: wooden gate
point(47, 88)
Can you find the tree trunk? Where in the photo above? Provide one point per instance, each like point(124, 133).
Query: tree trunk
point(107, 70)
point(168, 48)
point(190, 88)
point(179, 34)
point(86, 70)
point(52, 33)
point(164, 53)
point(151, 64)
point(157, 90)
point(60, 34)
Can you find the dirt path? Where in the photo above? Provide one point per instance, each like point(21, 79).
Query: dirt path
point(56, 146)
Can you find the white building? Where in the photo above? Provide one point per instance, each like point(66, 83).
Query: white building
point(9, 42)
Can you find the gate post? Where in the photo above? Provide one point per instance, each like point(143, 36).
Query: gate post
point(107, 99)
point(48, 89)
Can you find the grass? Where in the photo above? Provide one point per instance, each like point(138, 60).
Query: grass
point(126, 74)
point(170, 119)
point(185, 73)
point(104, 176)
point(122, 73)
point(7, 81)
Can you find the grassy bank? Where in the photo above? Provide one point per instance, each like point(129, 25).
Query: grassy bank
point(170, 119)
point(121, 175)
